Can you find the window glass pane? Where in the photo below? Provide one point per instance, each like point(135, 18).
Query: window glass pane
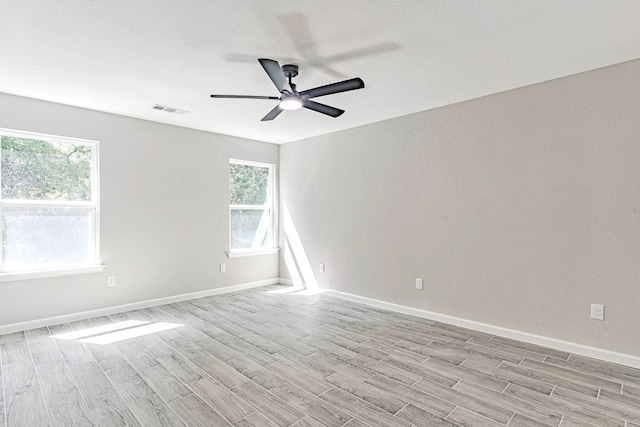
point(249, 228)
point(249, 185)
point(46, 237)
point(34, 169)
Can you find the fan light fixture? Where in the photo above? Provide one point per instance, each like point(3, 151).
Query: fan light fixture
point(290, 103)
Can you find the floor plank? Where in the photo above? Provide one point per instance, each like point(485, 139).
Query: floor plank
point(613, 407)
point(579, 377)
point(255, 420)
point(197, 413)
point(550, 378)
point(24, 403)
point(104, 403)
point(15, 351)
point(298, 377)
point(256, 373)
point(316, 408)
point(420, 417)
point(220, 398)
point(544, 416)
point(371, 414)
point(153, 411)
point(129, 383)
point(307, 422)
point(61, 395)
point(508, 376)
point(164, 383)
point(567, 407)
point(413, 395)
point(475, 403)
point(365, 391)
point(185, 370)
point(465, 418)
point(272, 407)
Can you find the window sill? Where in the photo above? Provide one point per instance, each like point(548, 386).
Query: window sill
point(41, 274)
point(238, 254)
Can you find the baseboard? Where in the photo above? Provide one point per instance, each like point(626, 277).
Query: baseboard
point(55, 320)
point(580, 349)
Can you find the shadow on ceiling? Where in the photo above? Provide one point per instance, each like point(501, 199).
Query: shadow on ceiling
point(296, 26)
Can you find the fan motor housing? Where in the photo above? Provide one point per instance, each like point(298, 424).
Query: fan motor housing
point(290, 70)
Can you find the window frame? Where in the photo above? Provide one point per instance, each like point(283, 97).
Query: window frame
point(271, 206)
point(94, 205)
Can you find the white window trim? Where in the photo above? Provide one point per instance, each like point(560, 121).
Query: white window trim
point(55, 272)
point(95, 267)
point(272, 206)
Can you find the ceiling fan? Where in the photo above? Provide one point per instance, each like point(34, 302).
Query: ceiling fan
point(290, 98)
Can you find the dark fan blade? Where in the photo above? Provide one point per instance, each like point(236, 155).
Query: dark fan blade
point(244, 97)
point(343, 86)
point(272, 114)
point(321, 108)
point(275, 73)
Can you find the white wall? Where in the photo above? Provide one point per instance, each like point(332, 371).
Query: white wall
point(518, 209)
point(164, 212)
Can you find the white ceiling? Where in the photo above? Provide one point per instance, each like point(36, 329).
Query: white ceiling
point(123, 56)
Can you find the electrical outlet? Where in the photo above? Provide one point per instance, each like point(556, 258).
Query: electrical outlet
point(597, 311)
point(223, 268)
point(418, 283)
point(321, 268)
point(111, 281)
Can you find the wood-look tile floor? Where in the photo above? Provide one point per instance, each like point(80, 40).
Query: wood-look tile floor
point(263, 358)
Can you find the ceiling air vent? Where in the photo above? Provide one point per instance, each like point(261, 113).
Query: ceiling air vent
point(169, 109)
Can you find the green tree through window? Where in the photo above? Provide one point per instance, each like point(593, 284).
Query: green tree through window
point(45, 170)
point(248, 184)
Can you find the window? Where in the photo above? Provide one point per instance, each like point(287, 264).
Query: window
point(251, 208)
point(48, 202)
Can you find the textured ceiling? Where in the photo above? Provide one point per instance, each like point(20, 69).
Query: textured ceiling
point(123, 56)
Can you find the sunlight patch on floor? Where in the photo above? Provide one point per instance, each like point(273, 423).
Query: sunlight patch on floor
point(130, 333)
point(118, 331)
point(99, 330)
